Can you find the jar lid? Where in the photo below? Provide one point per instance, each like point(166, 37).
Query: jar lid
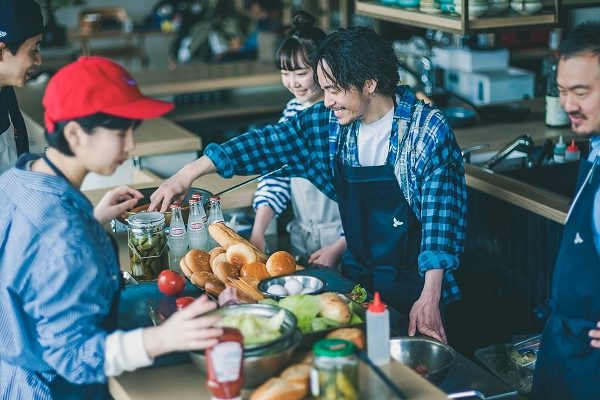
point(146, 218)
point(333, 348)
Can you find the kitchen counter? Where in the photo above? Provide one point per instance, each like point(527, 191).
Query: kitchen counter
point(183, 381)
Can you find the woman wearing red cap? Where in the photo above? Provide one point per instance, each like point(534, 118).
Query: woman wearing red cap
point(59, 273)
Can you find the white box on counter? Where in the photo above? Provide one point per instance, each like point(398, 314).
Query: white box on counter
point(468, 60)
point(491, 87)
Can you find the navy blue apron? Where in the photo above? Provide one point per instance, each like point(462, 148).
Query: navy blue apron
point(567, 366)
point(60, 387)
point(383, 234)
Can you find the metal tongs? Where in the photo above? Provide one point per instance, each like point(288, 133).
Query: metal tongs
point(239, 185)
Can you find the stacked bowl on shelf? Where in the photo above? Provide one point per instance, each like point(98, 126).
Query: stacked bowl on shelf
point(496, 7)
point(477, 8)
point(526, 7)
point(430, 6)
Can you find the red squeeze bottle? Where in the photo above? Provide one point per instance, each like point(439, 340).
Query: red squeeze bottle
point(224, 366)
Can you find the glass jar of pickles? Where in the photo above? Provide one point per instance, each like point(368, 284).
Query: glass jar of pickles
point(335, 372)
point(147, 242)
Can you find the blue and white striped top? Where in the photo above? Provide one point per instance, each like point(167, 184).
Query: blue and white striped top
point(58, 277)
point(275, 191)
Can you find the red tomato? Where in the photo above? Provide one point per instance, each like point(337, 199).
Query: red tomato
point(170, 282)
point(184, 301)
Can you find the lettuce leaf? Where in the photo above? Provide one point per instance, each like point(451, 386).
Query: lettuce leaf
point(305, 307)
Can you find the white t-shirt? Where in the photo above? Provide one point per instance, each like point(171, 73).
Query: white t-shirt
point(373, 140)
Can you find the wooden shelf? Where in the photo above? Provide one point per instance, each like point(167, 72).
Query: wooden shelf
point(455, 24)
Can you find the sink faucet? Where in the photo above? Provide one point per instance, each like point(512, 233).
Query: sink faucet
point(522, 143)
point(466, 153)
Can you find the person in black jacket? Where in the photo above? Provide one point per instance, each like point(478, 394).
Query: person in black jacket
point(21, 26)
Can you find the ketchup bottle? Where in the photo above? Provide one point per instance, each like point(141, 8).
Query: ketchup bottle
point(224, 366)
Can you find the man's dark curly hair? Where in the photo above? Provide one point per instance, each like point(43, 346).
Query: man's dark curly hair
point(355, 55)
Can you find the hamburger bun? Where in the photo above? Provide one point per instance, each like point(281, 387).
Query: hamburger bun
point(214, 287)
point(281, 263)
point(353, 335)
point(255, 270)
point(197, 260)
point(201, 277)
point(215, 252)
point(184, 268)
point(240, 254)
point(218, 259)
point(279, 389)
point(298, 374)
point(224, 271)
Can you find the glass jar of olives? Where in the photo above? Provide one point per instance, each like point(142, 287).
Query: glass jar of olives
point(335, 372)
point(147, 241)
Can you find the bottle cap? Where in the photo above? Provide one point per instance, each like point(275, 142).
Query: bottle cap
point(377, 306)
point(174, 206)
point(197, 196)
point(193, 201)
point(333, 348)
point(573, 146)
point(215, 198)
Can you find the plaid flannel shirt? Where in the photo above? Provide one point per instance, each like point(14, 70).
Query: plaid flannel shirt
point(426, 158)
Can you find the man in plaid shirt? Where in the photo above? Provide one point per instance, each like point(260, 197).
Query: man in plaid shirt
point(390, 161)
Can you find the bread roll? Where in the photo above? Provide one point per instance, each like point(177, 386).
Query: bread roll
point(241, 254)
point(353, 335)
point(215, 287)
point(218, 259)
point(226, 237)
point(333, 307)
point(281, 263)
point(215, 252)
point(224, 271)
point(184, 268)
point(255, 270)
point(197, 260)
point(201, 277)
point(298, 374)
point(278, 389)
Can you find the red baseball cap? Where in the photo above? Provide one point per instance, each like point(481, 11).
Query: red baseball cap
point(92, 85)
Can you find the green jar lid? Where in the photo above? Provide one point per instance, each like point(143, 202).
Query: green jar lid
point(333, 348)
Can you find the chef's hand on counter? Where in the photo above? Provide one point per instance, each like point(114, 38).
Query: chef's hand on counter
point(425, 313)
point(177, 186)
point(329, 256)
point(595, 335)
point(115, 202)
point(186, 330)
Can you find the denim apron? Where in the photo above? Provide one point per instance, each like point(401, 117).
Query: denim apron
point(567, 366)
point(382, 232)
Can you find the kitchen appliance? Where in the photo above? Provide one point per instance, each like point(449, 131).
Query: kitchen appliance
point(491, 87)
point(469, 60)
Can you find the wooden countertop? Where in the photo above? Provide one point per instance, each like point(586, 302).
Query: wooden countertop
point(205, 77)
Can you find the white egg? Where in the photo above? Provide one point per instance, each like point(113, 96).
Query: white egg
point(307, 290)
point(293, 286)
point(277, 290)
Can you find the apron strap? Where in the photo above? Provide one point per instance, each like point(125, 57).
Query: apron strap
point(18, 123)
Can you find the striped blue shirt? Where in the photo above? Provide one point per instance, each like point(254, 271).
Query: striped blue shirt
point(58, 276)
point(426, 158)
point(276, 192)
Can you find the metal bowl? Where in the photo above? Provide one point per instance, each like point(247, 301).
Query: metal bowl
point(288, 328)
point(259, 366)
point(428, 357)
point(315, 284)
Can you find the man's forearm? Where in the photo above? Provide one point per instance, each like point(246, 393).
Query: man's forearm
point(433, 283)
point(198, 168)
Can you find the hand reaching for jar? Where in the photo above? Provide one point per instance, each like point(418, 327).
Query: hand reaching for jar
point(115, 202)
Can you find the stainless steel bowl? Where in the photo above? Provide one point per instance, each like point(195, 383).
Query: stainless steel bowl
point(259, 366)
point(315, 284)
point(288, 327)
point(428, 357)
